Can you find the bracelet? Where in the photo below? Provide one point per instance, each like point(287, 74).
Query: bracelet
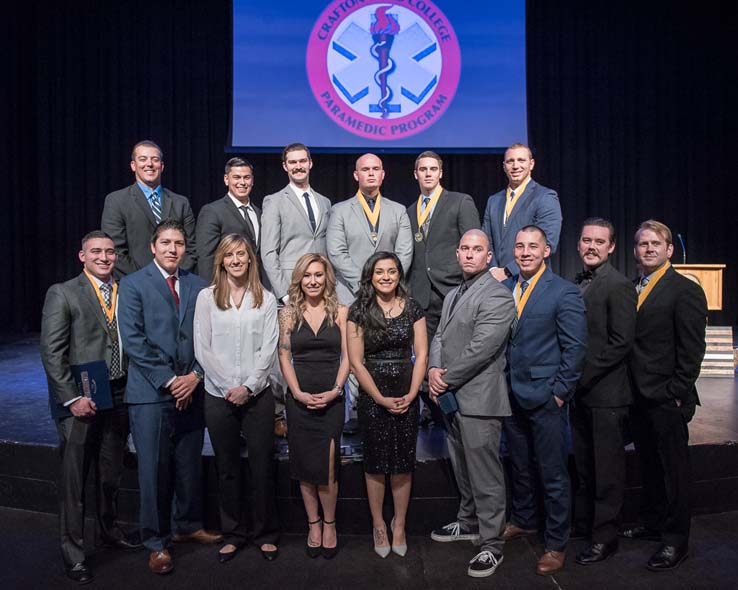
point(339, 389)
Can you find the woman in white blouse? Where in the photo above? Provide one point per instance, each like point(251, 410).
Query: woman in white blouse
point(236, 344)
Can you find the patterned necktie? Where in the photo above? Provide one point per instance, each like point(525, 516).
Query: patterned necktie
point(642, 284)
point(155, 204)
point(171, 281)
point(426, 223)
point(523, 287)
point(509, 206)
point(116, 372)
point(311, 213)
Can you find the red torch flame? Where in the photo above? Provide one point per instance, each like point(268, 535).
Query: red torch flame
point(386, 23)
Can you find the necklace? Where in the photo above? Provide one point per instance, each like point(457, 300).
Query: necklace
point(388, 311)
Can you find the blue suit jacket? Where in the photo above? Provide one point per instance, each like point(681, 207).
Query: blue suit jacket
point(538, 205)
point(549, 343)
point(157, 337)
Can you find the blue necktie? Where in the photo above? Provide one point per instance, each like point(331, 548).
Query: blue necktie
point(311, 213)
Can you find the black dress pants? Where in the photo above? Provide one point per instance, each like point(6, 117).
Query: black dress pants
point(256, 420)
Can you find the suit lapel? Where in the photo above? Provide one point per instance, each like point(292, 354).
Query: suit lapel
point(166, 204)
point(362, 220)
point(185, 292)
point(520, 206)
point(440, 211)
point(160, 284)
point(293, 198)
point(658, 289)
point(230, 206)
point(325, 211)
point(140, 200)
point(535, 297)
point(478, 284)
point(89, 297)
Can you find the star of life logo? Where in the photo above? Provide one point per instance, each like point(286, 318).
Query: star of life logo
point(383, 70)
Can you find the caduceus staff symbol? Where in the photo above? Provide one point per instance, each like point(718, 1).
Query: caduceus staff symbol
point(383, 31)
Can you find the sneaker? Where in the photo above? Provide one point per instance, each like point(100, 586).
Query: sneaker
point(484, 564)
point(453, 532)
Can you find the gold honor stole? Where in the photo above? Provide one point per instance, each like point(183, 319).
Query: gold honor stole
point(510, 205)
point(655, 278)
point(109, 313)
point(422, 217)
point(531, 285)
point(372, 216)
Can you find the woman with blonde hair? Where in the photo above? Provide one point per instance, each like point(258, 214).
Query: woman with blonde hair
point(314, 362)
point(236, 337)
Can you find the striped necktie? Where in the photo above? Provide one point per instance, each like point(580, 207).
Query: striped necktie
point(155, 204)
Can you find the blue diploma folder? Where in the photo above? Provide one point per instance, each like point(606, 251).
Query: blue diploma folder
point(92, 381)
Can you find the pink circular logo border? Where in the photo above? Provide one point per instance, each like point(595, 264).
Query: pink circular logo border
point(381, 129)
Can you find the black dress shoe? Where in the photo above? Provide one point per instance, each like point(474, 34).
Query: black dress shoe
point(668, 557)
point(225, 557)
point(269, 555)
point(130, 542)
point(640, 532)
point(79, 573)
point(597, 552)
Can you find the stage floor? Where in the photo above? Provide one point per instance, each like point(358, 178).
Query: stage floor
point(25, 416)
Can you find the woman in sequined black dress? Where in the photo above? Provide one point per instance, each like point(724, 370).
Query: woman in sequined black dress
point(385, 325)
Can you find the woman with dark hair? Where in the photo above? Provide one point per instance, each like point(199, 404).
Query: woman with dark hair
point(314, 362)
point(385, 327)
point(236, 344)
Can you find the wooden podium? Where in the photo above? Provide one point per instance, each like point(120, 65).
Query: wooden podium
point(707, 276)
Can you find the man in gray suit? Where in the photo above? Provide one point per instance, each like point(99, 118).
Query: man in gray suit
point(364, 224)
point(233, 214)
point(131, 214)
point(80, 325)
point(524, 202)
point(467, 362)
point(294, 221)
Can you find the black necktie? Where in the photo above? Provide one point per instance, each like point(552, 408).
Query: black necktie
point(311, 213)
point(459, 293)
point(246, 217)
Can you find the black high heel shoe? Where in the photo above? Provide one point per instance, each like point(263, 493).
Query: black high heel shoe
point(330, 552)
point(224, 557)
point(313, 551)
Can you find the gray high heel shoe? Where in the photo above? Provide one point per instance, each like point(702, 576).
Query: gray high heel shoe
point(400, 550)
point(379, 536)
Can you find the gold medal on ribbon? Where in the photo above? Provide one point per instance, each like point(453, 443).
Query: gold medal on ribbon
point(419, 236)
point(372, 216)
point(422, 217)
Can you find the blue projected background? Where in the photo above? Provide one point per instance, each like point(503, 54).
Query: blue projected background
point(405, 74)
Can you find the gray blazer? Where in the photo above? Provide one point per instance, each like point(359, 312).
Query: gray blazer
point(350, 242)
point(73, 331)
point(128, 219)
point(286, 235)
point(471, 343)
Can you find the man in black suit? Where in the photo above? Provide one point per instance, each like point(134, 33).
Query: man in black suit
point(130, 215)
point(79, 325)
point(438, 220)
point(664, 366)
point(233, 214)
point(603, 393)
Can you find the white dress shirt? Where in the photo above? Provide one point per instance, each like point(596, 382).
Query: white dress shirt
point(236, 346)
point(299, 192)
point(251, 213)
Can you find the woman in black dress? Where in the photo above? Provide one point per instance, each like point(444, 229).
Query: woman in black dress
point(314, 362)
point(385, 326)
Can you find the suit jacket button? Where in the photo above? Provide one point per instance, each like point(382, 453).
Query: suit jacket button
point(428, 269)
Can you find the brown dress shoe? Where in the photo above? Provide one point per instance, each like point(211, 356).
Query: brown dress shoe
point(160, 562)
point(513, 531)
point(280, 428)
point(200, 536)
point(550, 562)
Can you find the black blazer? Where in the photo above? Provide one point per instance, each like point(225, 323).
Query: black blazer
point(670, 341)
point(434, 258)
point(128, 219)
point(216, 220)
point(610, 300)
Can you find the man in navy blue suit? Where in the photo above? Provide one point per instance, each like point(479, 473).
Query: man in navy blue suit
point(157, 307)
point(548, 343)
point(523, 202)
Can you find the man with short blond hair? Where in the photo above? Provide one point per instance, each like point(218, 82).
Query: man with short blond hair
point(664, 366)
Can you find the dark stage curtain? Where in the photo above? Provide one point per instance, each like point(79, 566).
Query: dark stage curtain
point(631, 115)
